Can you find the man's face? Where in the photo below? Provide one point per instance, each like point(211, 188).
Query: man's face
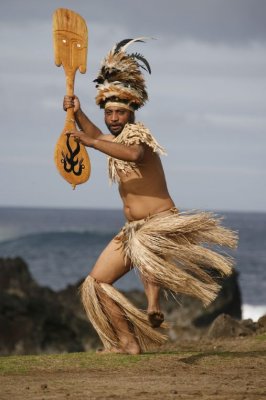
point(116, 118)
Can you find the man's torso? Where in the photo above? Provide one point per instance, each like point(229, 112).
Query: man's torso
point(144, 190)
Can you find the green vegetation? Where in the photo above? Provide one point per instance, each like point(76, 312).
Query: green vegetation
point(56, 362)
point(75, 361)
point(261, 338)
point(25, 364)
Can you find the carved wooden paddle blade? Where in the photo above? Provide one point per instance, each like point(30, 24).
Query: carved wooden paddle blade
point(72, 160)
point(70, 36)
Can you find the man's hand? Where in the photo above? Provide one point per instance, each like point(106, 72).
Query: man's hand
point(134, 153)
point(81, 137)
point(71, 102)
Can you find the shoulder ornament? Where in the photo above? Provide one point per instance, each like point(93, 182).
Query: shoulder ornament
point(132, 134)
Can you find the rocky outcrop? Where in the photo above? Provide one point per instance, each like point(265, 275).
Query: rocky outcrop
point(224, 326)
point(33, 319)
point(36, 319)
point(189, 319)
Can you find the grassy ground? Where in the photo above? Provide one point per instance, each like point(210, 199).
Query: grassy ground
point(231, 370)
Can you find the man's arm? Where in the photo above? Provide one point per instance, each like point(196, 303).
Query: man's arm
point(86, 125)
point(134, 152)
point(91, 136)
point(81, 119)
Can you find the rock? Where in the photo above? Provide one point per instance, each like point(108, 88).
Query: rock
point(189, 319)
point(248, 323)
point(227, 302)
point(225, 326)
point(15, 277)
point(34, 320)
point(262, 324)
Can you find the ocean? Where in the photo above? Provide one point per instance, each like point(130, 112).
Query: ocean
point(61, 245)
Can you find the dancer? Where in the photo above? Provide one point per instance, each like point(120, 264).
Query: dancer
point(167, 247)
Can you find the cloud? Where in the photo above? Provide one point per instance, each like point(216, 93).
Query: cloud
point(233, 22)
point(207, 96)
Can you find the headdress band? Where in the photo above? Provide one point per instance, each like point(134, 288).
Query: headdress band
point(118, 104)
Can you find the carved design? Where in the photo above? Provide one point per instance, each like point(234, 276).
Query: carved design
point(70, 51)
point(70, 36)
point(69, 159)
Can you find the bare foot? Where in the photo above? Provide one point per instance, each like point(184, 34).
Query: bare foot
point(128, 347)
point(112, 350)
point(132, 349)
point(156, 318)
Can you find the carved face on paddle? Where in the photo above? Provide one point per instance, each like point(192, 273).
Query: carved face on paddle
point(70, 51)
point(70, 40)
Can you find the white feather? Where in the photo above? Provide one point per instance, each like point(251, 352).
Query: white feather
point(134, 40)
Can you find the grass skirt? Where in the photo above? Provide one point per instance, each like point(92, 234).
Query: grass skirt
point(93, 294)
point(174, 251)
point(171, 250)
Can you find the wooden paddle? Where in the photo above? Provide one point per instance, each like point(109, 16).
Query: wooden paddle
point(70, 38)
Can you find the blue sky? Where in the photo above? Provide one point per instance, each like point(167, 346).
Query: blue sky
point(207, 99)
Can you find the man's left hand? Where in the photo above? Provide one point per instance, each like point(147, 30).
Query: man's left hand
point(81, 137)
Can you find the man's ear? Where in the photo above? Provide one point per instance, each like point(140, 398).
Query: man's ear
point(132, 117)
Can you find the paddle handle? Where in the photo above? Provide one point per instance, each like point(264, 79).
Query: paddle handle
point(70, 81)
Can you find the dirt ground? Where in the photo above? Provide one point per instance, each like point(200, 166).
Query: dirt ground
point(221, 370)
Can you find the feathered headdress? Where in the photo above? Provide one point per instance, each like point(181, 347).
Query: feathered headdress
point(120, 80)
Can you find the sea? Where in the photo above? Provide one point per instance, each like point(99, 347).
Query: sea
point(60, 247)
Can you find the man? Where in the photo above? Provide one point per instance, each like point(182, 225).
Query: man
point(162, 244)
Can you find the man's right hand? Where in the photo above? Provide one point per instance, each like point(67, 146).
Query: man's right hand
point(71, 102)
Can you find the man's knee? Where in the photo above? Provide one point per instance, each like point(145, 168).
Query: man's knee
point(98, 278)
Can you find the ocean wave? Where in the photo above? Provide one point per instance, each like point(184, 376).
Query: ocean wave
point(253, 312)
point(58, 236)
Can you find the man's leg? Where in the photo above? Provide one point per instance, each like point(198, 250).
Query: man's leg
point(109, 267)
point(152, 292)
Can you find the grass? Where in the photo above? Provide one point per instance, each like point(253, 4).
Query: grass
point(71, 361)
point(90, 361)
point(23, 364)
point(211, 356)
point(261, 338)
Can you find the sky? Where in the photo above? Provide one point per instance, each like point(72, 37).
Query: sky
point(207, 101)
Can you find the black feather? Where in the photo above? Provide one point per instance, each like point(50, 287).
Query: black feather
point(123, 43)
point(141, 58)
